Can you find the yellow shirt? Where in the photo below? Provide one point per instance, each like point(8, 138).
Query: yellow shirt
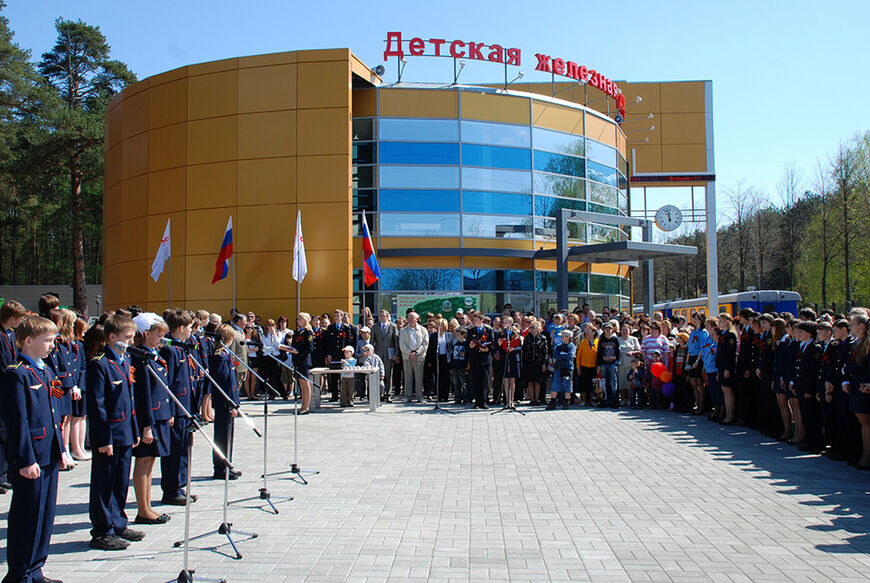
point(587, 353)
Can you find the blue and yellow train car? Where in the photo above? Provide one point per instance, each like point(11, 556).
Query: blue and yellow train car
point(760, 301)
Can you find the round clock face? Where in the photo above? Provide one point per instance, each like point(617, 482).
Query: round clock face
point(669, 217)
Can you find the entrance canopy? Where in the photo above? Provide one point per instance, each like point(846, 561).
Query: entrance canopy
point(621, 252)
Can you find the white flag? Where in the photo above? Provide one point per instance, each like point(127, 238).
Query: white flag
point(300, 265)
point(163, 254)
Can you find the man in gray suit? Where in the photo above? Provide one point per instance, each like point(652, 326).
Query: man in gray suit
point(413, 342)
point(386, 342)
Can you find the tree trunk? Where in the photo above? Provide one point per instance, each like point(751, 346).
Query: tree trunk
point(80, 292)
point(847, 259)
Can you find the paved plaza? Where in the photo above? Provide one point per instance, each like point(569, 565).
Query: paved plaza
point(577, 495)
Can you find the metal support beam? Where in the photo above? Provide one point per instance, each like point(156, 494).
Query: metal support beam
point(562, 260)
point(712, 251)
point(648, 276)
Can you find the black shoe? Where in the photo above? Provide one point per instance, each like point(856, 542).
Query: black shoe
point(5, 485)
point(484, 406)
point(222, 476)
point(47, 580)
point(108, 542)
point(564, 405)
point(162, 519)
point(131, 535)
point(178, 500)
point(551, 405)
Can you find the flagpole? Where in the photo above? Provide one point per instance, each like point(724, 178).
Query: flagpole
point(298, 297)
point(233, 259)
point(169, 282)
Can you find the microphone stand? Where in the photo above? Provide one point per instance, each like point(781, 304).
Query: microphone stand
point(507, 408)
point(437, 408)
point(264, 493)
point(186, 574)
point(294, 467)
point(226, 527)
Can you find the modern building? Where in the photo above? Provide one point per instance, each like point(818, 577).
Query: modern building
point(461, 184)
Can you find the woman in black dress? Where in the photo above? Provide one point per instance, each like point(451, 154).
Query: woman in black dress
point(534, 361)
point(726, 359)
point(303, 341)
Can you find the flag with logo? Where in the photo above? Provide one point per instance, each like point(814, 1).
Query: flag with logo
point(371, 271)
point(222, 265)
point(164, 252)
point(300, 265)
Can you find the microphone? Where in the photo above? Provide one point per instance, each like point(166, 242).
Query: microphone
point(141, 353)
point(178, 343)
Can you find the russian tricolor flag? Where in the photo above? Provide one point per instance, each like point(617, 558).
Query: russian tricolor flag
point(222, 265)
point(371, 271)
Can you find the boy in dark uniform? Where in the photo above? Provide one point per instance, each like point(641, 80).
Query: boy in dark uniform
point(173, 468)
point(34, 451)
point(806, 378)
point(745, 386)
point(11, 315)
point(223, 371)
point(479, 344)
point(114, 433)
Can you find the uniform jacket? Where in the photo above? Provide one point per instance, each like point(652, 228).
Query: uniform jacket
point(151, 400)
point(33, 429)
point(806, 369)
point(8, 348)
point(223, 371)
point(476, 357)
point(179, 371)
point(111, 416)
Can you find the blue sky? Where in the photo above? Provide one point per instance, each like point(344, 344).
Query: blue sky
point(789, 77)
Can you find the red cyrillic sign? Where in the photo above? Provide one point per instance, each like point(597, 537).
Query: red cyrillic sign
point(495, 53)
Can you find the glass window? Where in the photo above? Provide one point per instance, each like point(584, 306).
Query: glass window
point(365, 200)
point(496, 157)
point(601, 173)
point(356, 224)
point(496, 203)
point(557, 185)
point(363, 129)
point(621, 182)
point(364, 153)
point(420, 279)
point(421, 201)
point(548, 206)
point(559, 164)
point(560, 142)
point(363, 176)
point(548, 281)
point(604, 234)
point(545, 229)
point(496, 227)
point(621, 164)
point(495, 134)
point(419, 130)
point(626, 286)
point(623, 201)
point(598, 152)
point(428, 153)
point(443, 177)
point(604, 284)
point(603, 194)
point(419, 225)
point(496, 180)
point(498, 279)
point(598, 208)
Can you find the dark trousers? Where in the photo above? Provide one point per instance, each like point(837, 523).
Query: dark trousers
point(847, 436)
point(812, 418)
point(110, 479)
point(4, 465)
point(31, 519)
point(332, 382)
point(224, 425)
point(173, 468)
point(443, 378)
point(498, 378)
point(746, 400)
point(478, 381)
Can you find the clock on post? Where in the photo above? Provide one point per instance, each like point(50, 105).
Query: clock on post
point(669, 218)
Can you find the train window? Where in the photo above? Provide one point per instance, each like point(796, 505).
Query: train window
point(768, 308)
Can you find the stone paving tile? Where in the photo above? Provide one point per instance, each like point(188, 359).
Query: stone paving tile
point(557, 496)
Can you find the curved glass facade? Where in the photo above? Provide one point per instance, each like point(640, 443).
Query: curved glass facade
point(469, 179)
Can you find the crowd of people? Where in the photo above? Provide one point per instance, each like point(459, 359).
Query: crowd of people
point(127, 386)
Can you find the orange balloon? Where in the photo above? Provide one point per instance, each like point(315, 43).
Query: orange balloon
point(666, 377)
point(657, 369)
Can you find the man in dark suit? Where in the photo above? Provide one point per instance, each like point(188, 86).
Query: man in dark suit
point(479, 345)
point(386, 343)
point(338, 335)
point(806, 381)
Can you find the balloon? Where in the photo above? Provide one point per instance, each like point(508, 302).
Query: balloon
point(668, 389)
point(657, 369)
point(666, 377)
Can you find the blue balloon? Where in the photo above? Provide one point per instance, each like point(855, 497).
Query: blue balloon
point(668, 389)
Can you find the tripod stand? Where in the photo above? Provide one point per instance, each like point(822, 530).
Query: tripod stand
point(264, 493)
point(437, 408)
point(294, 467)
point(186, 574)
point(226, 527)
point(508, 407)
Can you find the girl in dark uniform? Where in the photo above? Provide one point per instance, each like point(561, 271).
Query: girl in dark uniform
point(154, 413)
point(303, 343)
point(856, 380)
point(511, 342)
point(726, 355)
